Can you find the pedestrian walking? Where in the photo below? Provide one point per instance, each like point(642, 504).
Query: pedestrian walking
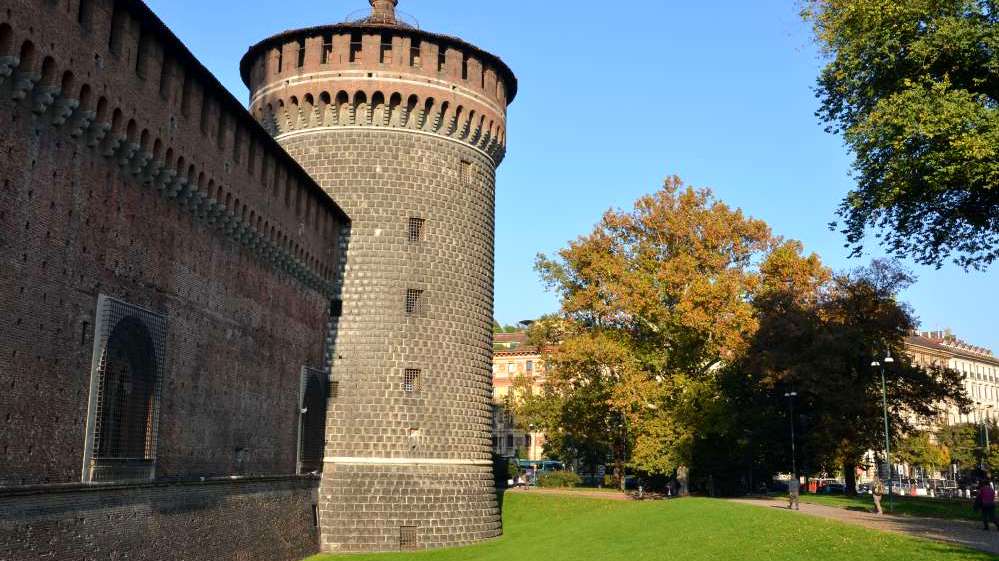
point(986, 501)
point(878, 491)
point(794, 494)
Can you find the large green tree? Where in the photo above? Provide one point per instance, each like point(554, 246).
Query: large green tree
point(913, 85)
point(820, 345)
point(656, 303)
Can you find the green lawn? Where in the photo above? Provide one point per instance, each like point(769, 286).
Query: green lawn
point(906, 506)
point(557, 528)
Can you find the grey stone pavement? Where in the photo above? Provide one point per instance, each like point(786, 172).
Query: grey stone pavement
point(960, 532)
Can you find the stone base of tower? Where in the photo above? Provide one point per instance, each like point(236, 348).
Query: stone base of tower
point(375, 508)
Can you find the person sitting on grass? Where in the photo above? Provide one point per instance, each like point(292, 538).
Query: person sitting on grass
point(878, 491)
point(986, 501)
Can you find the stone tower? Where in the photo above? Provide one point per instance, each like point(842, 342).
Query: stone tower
point(405, 129)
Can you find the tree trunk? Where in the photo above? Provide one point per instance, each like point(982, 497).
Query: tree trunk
point(850, 475)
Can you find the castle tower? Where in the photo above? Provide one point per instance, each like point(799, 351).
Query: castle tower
point(405, 129)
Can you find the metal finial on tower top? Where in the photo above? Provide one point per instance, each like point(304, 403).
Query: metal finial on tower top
point(383, 11)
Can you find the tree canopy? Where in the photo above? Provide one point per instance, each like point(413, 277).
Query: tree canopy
point(913, 86)
point(683, 326)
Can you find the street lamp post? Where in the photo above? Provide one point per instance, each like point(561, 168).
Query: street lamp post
point(884, 403)
point(794, 455)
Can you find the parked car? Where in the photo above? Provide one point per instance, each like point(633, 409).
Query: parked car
point(832, 489)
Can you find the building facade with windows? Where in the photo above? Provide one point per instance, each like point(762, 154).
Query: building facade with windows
point(514, 359)
point(978, 365)
point(183, 299)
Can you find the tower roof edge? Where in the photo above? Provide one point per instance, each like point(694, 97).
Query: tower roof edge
point(256, 50)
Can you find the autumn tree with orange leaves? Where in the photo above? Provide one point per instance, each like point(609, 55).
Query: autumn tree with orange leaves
point(684, 322)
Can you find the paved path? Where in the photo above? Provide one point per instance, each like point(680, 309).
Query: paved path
point(961, 532)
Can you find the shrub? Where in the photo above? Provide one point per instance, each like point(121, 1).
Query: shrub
point(559, 479)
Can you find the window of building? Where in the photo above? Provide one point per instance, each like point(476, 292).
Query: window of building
point(527, 441)
point(416, 229)
point(441, 59)
point(280, 59)
point(355, 47)
point(327, 53)
point(312, 420)
point(467, 172)
point(415, 58)
point(511, 367)
point(464, 66)
point(529, 366)
point(509, 441)
point(124, 392)
point(414, 301)
point(301, 53)
point(411, 380)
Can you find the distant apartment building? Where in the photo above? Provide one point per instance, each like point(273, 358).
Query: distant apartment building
point(978, 365)
point(515, 357)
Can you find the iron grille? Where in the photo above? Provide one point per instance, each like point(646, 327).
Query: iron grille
point(408, 538)
point(411, 380)
point(414, 301)
point(416, 229)
point(126, 382)
point(312, 424)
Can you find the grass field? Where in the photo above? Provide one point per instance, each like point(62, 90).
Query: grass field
point(906, 506)
point(557, 528)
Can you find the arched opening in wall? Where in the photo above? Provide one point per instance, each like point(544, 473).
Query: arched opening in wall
point(308, 107)
point(464, 66)
point(427, 118)
point(67, 86)
point(411, 104)
point(300, 59)
point(324, 110)
point(394, 108)
point(361, 113)
point(125, 389)
point(342, 111)
point(279, 57)
point(443, 120)
point(28, 57)
point(379, 116)
point(441, 59)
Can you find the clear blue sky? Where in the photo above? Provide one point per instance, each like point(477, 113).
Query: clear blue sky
point(613, 98)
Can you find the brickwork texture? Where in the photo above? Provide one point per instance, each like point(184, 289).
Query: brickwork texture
point(400, 125)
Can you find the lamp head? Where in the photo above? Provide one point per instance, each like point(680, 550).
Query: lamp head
point(875, 364)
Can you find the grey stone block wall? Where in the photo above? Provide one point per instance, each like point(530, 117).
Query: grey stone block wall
point(398, 458)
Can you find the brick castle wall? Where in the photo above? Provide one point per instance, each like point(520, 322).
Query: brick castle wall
point(400, 125)
point(126, 170)
point(384, 177)
point(271, 520)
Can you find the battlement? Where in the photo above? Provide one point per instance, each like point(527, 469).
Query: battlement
point(112, 76)
point(382, 75)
